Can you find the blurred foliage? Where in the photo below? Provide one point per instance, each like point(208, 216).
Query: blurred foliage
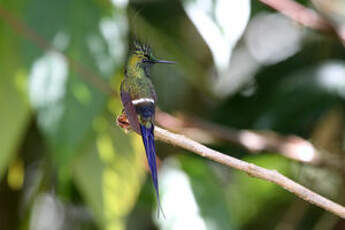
point(64, 164)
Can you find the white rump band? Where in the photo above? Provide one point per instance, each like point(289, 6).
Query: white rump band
point(142, 100)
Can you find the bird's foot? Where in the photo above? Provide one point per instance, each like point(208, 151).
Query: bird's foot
point(123, 122)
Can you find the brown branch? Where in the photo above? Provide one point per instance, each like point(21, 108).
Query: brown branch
point(292, 147)
point(304, 16)
point(299, 13)
point(252, 170)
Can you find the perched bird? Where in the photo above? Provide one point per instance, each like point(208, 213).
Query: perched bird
point(138, 98)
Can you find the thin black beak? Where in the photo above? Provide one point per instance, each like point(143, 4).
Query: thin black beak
point(164, 62)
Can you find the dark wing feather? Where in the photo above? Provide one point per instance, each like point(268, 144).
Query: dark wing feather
point(130, 110)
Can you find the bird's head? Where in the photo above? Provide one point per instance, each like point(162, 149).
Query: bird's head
point(141, 57)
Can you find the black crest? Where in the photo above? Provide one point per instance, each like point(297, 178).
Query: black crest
point(142, 48)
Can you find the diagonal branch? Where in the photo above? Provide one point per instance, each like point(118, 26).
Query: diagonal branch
point(299, 13)
point(252, 170)
point(291, 147)
point(305, 16)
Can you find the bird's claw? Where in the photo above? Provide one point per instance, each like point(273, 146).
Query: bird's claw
point(123, 122)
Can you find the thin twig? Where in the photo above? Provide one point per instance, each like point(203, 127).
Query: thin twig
point(292, 147)
point(299, 13)
point(304, 16)
point(252, 170)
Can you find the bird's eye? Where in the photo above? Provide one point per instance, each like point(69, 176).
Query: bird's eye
point(146, 58)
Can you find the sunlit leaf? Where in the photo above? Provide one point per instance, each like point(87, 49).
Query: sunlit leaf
point(208, 192)
point(67, 89)
point(15, 115)
point(191, 196)
point(178, 201)
point(15, 110)
point(220, 23)
point(109, 174)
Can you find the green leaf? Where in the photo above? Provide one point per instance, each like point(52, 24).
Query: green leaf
point(67, 89)
point(221, 24)
point(15, 109)
point(15, 115)
point(249, 196)
point(208, 193)
point(110, 173)
point(305, 94)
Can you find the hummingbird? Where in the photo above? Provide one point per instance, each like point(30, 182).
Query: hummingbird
point(139, 99)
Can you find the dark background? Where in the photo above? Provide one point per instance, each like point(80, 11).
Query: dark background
point(65, 164)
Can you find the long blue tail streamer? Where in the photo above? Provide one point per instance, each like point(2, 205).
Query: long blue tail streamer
point(149, 143)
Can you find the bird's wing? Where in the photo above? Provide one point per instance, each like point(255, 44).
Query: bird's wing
point(129, 109)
